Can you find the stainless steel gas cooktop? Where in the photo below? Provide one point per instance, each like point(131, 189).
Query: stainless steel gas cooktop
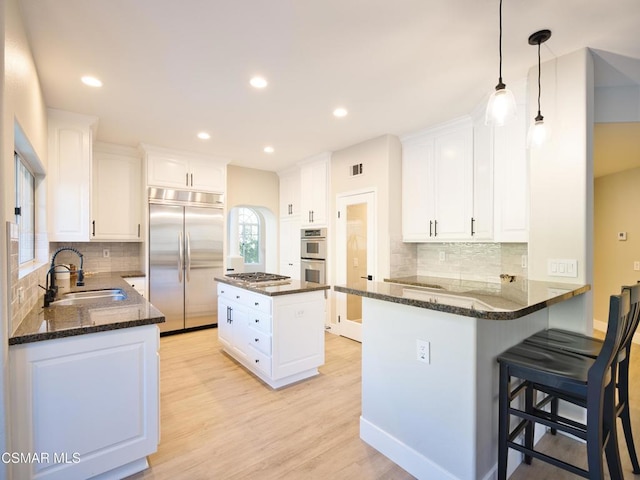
point(260, 279)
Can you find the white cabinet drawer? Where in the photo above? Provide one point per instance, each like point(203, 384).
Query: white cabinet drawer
point(260, 341)
point(260, 361)
point(258, 302)
point(260, 321)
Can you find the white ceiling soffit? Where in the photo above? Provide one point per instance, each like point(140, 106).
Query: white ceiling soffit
point(172, 69)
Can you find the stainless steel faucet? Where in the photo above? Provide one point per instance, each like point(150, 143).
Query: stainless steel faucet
point(51, 289)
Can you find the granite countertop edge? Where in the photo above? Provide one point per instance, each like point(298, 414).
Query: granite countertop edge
point(277, 290)
point(40, 323)
point(467, 312)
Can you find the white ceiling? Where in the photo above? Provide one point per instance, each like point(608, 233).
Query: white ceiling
point(173, 68)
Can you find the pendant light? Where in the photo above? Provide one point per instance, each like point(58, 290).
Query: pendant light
point(538, 130)
point(502, 104)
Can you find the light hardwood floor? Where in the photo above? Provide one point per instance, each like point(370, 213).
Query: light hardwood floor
point(219, 422)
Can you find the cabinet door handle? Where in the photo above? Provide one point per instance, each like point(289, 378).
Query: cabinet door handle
point(192, 179)
point(435, 228)
point(256, 340)
point(309, 216)
point(312, 219)
point(93, 233)
point(257, 360)
point(257, 320)
point(472, 221)
point(187, 179)
point(257, 304)
point(430, 228)
point(138, 230)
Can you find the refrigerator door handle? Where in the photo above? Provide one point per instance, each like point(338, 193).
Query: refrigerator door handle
point(180, 257)
point(188, 256)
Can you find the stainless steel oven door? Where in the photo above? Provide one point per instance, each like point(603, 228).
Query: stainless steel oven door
point(312, 270)
point(313, 248)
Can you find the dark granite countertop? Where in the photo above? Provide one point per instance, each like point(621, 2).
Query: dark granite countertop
point(97, 316)
point(490, 301)
point(295, 286)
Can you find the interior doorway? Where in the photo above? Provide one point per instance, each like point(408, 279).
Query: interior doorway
point(355, 255)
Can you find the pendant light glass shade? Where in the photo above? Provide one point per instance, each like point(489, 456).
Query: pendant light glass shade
point(502, 104)
point(538, 132)
point(501, 107)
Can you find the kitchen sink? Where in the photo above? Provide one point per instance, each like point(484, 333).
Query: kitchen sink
point(78, 298)
point(447, 299)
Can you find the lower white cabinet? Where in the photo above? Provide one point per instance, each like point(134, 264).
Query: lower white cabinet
point(280, 338)
point(138, 283)
point(87, 405)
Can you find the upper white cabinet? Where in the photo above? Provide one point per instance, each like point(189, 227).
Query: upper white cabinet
point(314, 183)
point(69, 175)
point(183, 170)
point(289, 193)
point(437, 188)
point(117, 193)
point(511, 176)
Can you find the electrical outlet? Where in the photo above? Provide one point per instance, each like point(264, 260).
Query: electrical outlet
point(622, 236)
point(21, 295)
point(423, 351)
point(443, 256)
point(106, 253)
point(636, 266)
point(523, 261)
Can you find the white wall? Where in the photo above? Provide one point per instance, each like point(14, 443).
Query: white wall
point(381, 158)
point(561, 172)
point(22, 101)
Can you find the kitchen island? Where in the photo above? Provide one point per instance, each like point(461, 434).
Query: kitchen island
point(275, 331)
point(429, 371)
point(85, 384)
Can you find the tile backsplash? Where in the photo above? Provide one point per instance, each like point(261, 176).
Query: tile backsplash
point(122, 256)
point(483, 262)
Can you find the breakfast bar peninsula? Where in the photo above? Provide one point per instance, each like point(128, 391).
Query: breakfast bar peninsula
point(429, 371)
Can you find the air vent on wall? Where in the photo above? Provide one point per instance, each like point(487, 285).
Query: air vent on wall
point(355, 170)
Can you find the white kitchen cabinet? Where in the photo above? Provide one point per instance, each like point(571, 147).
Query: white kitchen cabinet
point(138, 283)
point(280, 339)
point(314, 184)
point(290, 247)
point(437, 189)
point(185, 171)
point(512, 175)
point(117, 194)
point(89, 404)
point(483, 184)
point(232, 321)
point(70, 137)
point(289, 193)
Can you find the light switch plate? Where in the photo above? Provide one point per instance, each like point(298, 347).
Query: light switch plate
point(622, 236)
point(562, 268)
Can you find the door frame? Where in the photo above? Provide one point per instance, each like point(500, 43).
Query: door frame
point(367, 195)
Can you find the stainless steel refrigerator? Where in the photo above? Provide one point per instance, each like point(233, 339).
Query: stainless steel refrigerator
point(185, 254)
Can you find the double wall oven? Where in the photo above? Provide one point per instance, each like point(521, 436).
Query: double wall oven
point(313, 255)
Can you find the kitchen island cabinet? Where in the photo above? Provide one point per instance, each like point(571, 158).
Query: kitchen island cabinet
point(429, 370)
point(276, 332)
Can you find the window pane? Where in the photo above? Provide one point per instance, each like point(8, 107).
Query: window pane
point(249, 235)
point(25, 201)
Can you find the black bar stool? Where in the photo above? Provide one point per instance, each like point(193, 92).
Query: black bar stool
point(584, 381)
point(568, 341)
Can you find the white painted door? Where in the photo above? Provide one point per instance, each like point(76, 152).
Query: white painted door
point(355, 257)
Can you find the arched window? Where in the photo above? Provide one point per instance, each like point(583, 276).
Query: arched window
point(249, 235)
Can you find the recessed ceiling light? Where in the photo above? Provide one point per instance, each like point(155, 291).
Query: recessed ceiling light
point(204, 136)
point(258, 82)
point(269, 149)
point(91, 81)
point(340, 112)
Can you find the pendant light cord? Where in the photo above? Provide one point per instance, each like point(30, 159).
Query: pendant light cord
point(539, 87)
